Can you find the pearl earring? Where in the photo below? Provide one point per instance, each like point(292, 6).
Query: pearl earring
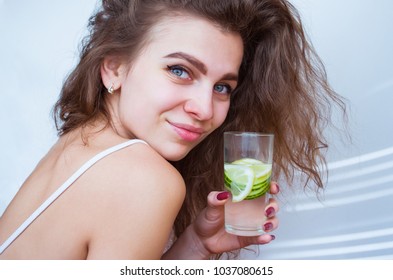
point(111, 90)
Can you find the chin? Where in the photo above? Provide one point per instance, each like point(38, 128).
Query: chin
point(174, 157)
point(175, 154)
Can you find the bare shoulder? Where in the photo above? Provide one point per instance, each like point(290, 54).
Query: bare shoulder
point(138, 195)
point(143, 170)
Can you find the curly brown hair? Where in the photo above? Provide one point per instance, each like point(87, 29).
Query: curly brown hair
point(282, 87)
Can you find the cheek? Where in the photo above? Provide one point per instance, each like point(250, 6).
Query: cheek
point(145, 103)
point(221, 111)
point(129, 110)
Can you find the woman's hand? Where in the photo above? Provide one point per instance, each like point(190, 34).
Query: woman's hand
point(209, 225)
point(207, 236)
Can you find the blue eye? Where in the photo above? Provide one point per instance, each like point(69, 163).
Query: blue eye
point(179, 72)
point(222, 88)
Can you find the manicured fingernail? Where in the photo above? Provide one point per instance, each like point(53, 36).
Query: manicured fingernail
point(273, 237)
point(278, 188)
point(268, 226)
point(223, 195)
point(270, 212)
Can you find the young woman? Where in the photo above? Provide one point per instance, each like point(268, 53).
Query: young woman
point(140, 122)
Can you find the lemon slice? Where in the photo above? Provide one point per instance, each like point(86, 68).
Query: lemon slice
point(260, 169)
point(240, 179)
point(248, 161)
point(262, 174)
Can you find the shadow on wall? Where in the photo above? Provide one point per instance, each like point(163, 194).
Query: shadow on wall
point(353, 221)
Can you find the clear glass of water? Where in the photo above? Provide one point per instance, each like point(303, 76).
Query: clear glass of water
point(248, 158)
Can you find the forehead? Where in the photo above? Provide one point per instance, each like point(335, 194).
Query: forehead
point(196, 36)
point(178, 24)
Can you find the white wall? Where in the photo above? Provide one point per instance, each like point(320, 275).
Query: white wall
point(353, 219)
point(39, 41)
point(38, 46)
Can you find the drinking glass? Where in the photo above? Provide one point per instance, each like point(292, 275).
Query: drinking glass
point(248, 160)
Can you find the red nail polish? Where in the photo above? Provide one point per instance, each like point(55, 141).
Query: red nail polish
point(268, 226)
point(270, 212)
point(223, 195)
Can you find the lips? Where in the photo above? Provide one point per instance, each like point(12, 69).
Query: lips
point(187, 132)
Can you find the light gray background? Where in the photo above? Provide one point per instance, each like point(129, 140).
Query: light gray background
point(353, 218)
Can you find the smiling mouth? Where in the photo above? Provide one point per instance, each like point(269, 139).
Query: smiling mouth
point(187, 132)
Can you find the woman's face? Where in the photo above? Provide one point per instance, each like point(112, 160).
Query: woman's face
point(178, 89)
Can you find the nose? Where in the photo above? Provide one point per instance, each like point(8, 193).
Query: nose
point(200, 104)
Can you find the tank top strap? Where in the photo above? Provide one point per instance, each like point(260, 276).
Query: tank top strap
point(64, 187)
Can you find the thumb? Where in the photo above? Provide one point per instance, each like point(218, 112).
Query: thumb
point(215, 205)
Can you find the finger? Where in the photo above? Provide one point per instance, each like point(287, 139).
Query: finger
point(265, 238)
point(274, 188)
point(215, 205)
point(272, 208)
point(256, 240)
point(270, 224)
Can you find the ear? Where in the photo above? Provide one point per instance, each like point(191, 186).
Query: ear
point(112, 72)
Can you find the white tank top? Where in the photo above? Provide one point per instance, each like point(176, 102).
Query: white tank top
point(62, 188)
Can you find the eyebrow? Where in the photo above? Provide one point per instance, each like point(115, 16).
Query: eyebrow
point(199, 64)
point(194, 61)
